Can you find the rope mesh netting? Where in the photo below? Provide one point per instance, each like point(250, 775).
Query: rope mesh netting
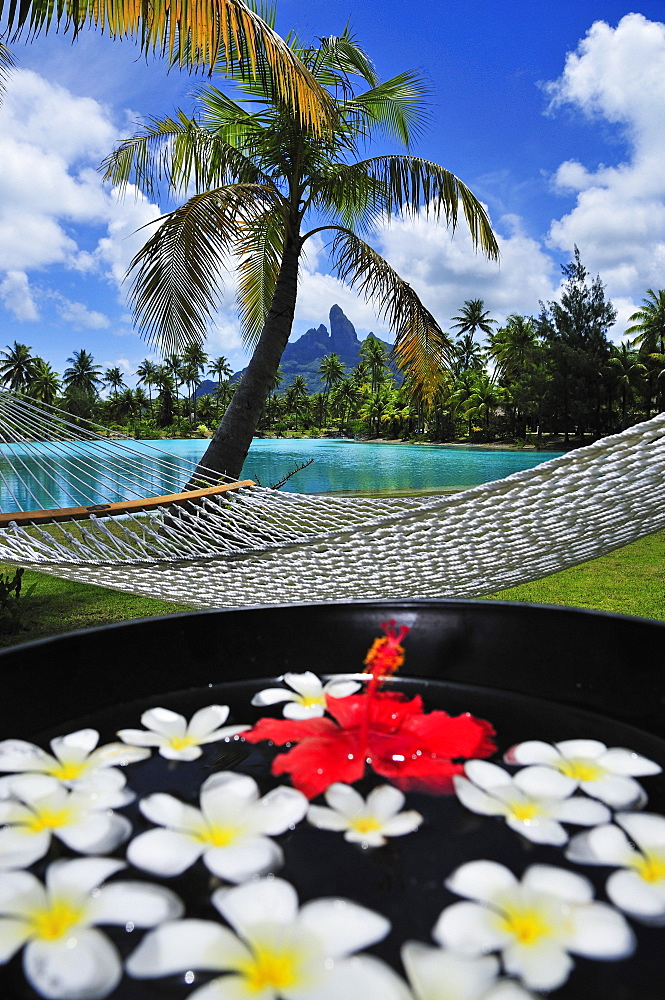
point(259, 546)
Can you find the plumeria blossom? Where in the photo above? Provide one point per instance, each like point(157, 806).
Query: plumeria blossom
point(365, 822)
point(639, 889)
point(231, 831)
point(604, 773)
point(42, 808)
point(535, 924)
point(275, 949)
point(176, 738)
point(307, 699)
point(440, 974)
point(65, 955)
point(76, 761)
point(534, 802)
point(387, 732)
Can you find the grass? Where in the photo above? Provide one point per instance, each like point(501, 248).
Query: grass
point(629, 581)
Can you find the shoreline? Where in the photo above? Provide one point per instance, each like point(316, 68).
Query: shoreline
point(461, 445)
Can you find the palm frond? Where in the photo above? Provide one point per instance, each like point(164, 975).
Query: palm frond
point(421, 347)
point(412, 184)
point(176, 274)
point(342, 56)
point(6, 66)
point(190, 33)
point(261, 248)
point(394, 106)
point(178, 152)
point(350, 194)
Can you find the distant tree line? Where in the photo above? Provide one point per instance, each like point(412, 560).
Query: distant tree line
point(555, 374)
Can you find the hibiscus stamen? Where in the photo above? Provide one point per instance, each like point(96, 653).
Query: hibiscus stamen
point(386, 654)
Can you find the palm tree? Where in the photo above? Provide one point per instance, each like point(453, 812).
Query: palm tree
point(374, 353)
point(147, 375)
point(17, 368)
point(296, 396)
point(45, 383)
point(513, 346)
point(628, 373)
point(332, 370)
point(84, 376)
point(228, 34)
point(649, 323)
point(194, 361)
point(469, 354)
point(259, 174)
point(113, 377)
point(473, 317)
point(345, 397)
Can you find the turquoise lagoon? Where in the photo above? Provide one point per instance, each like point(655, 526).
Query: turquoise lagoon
point(339, 466)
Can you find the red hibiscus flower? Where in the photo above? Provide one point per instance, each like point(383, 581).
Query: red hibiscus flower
point(386, 732)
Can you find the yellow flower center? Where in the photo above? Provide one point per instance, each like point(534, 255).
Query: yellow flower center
point(650, 866)
point(68, 770)
point(180, 742)
point(308, 700)
point(524, 811)
point(581, 769)
point(54, 923)
point(270, 968)
point(527, 926)
point(218, 836)
point(47, 820)
point(365, 824)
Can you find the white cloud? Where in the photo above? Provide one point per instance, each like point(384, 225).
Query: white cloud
point(17, 297)
point(78, 314)
point(617, 76)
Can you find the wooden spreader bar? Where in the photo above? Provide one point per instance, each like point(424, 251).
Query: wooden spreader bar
point(111, 509)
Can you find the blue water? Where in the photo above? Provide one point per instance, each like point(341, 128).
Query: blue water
point(84, 474)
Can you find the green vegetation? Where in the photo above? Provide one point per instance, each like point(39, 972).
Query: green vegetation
point(628, 581)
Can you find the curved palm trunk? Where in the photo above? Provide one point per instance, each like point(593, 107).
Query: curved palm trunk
point(228, 448)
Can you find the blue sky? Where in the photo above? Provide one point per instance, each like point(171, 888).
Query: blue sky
point(551, 112)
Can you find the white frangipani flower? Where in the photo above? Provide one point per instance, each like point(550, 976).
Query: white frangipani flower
point(534, 802)
point(534, 923)
point(604, 773)
point(307, 699)
point(76, 761)
point(440, 974)
point(176, 738)
point(42, 808)
point(277, 952)
point(365, 822)
point(231, 832)
point(65, 957)
point(640, 888)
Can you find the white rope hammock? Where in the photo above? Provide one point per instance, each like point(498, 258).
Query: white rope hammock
point(250, 545)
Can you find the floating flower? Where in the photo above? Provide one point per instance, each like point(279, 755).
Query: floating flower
point(308, 697)
point(42, 808)
point(65, 956)
point(640, 888)
point(534, 802)
point(439, 974)
point(605, 774)
point(278, 951)
point(386, 732)
point(365, 822)
point(75, 762)
point(386, 654)
point(231, 831)
point(177, 739)
point(534, 923)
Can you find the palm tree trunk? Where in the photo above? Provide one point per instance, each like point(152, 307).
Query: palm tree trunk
point(228, 448)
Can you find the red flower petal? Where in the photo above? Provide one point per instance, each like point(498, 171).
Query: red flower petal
point(317, 763)
point(282, 731)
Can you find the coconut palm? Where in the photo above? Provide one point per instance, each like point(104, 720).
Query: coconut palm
point(113, 377)
point(147, 375)
point(194, 361)
point(84, 376)
point(45, 383)
point(17, 367)
point(649, 323)
point(226, 33)
point(374, 353)
point(331, 370)
point(259, 176)
point(513, 346)
point(628, 373)
point(473, 317)
point(296, 396)
point(469, 354)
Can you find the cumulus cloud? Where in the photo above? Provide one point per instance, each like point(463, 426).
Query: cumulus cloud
point(16, 296)
point(78, 315)
point(617, 76)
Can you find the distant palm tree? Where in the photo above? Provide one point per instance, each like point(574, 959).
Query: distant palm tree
point(296, 395)
point(628, 373)
point(332, 370)
point(194, 361)
point(84, 376)
point(469, 354)
point(649, 323)
point(17, 368)
point(45, 383)
point(374, 353)
point(113, 377)
point(473, 317)
point(147, 372)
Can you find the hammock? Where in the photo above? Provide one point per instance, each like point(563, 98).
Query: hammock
point(240, 544)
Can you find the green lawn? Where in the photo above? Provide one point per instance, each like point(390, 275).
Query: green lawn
point(629, 581)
